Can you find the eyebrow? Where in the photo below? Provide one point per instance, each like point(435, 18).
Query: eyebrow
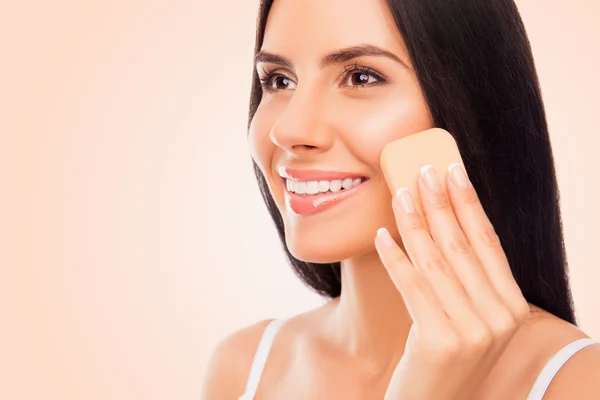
point(337, 57)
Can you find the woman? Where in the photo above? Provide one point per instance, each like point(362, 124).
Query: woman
point(334, 82)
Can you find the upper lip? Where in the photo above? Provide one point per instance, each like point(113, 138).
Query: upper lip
point(305, 175)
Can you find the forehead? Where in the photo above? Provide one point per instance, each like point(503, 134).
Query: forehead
point(315, 27)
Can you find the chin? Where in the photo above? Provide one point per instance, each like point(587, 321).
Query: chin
point(329, 242)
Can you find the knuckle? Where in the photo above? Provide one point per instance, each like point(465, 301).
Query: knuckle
point(397, 258)
point(458, 246)
point(433, 264)
point(413, 224)
point(489, 236)
point(479, 338)
point(522, 311)
point(504, 324)
point(394, 261)
point(470, 197)
point(439, 201)
point(394, 256)
point(419, 284)
point(448, 346)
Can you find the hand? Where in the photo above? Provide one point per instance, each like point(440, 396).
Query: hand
point(457, 286)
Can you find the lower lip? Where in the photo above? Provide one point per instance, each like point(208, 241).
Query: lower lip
point(312, 204)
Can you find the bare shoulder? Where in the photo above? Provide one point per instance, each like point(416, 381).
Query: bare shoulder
point(229, 364)
point(579, 377)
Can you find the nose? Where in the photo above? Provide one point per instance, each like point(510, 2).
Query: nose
point(303, 129)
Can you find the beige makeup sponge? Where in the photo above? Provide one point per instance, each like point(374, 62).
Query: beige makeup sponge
point(402, 159)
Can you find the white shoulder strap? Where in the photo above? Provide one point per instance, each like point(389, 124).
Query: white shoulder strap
point(260, 358)
point(551, 368)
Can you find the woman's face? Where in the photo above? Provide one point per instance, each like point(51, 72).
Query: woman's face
point(337, 87)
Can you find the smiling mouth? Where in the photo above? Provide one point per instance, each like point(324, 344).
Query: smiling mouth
point(314, 188)
point(311, 197)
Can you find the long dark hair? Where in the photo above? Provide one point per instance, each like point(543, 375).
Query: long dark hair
point(474, 63)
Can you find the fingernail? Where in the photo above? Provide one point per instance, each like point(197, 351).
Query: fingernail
point(405, 199)
point(430, 178)
point(385, 236)
point(458, 175)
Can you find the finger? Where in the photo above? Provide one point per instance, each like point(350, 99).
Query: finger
point(456, 249)
point(482, 236)
point(420, 300)
point(427, 258)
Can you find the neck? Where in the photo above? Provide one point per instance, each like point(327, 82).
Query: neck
point(370, 319)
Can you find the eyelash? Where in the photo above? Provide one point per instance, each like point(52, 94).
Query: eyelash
point(267, 81)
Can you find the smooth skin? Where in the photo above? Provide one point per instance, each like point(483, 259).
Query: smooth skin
point(339, 115)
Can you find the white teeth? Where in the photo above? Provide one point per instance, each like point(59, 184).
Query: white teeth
point(323, 186)
point(335, 186)
point(314, 187)
point(300, 187)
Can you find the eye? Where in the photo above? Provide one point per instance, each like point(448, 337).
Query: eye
point(359, 76)
point(273, 81)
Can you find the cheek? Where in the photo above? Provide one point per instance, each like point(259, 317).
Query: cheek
point(260, 145)
point(262, 149)
point(371, 125)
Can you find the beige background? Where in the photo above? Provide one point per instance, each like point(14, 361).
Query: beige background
point(132, 234)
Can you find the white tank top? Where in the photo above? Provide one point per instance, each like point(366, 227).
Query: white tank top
point(537, 391)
